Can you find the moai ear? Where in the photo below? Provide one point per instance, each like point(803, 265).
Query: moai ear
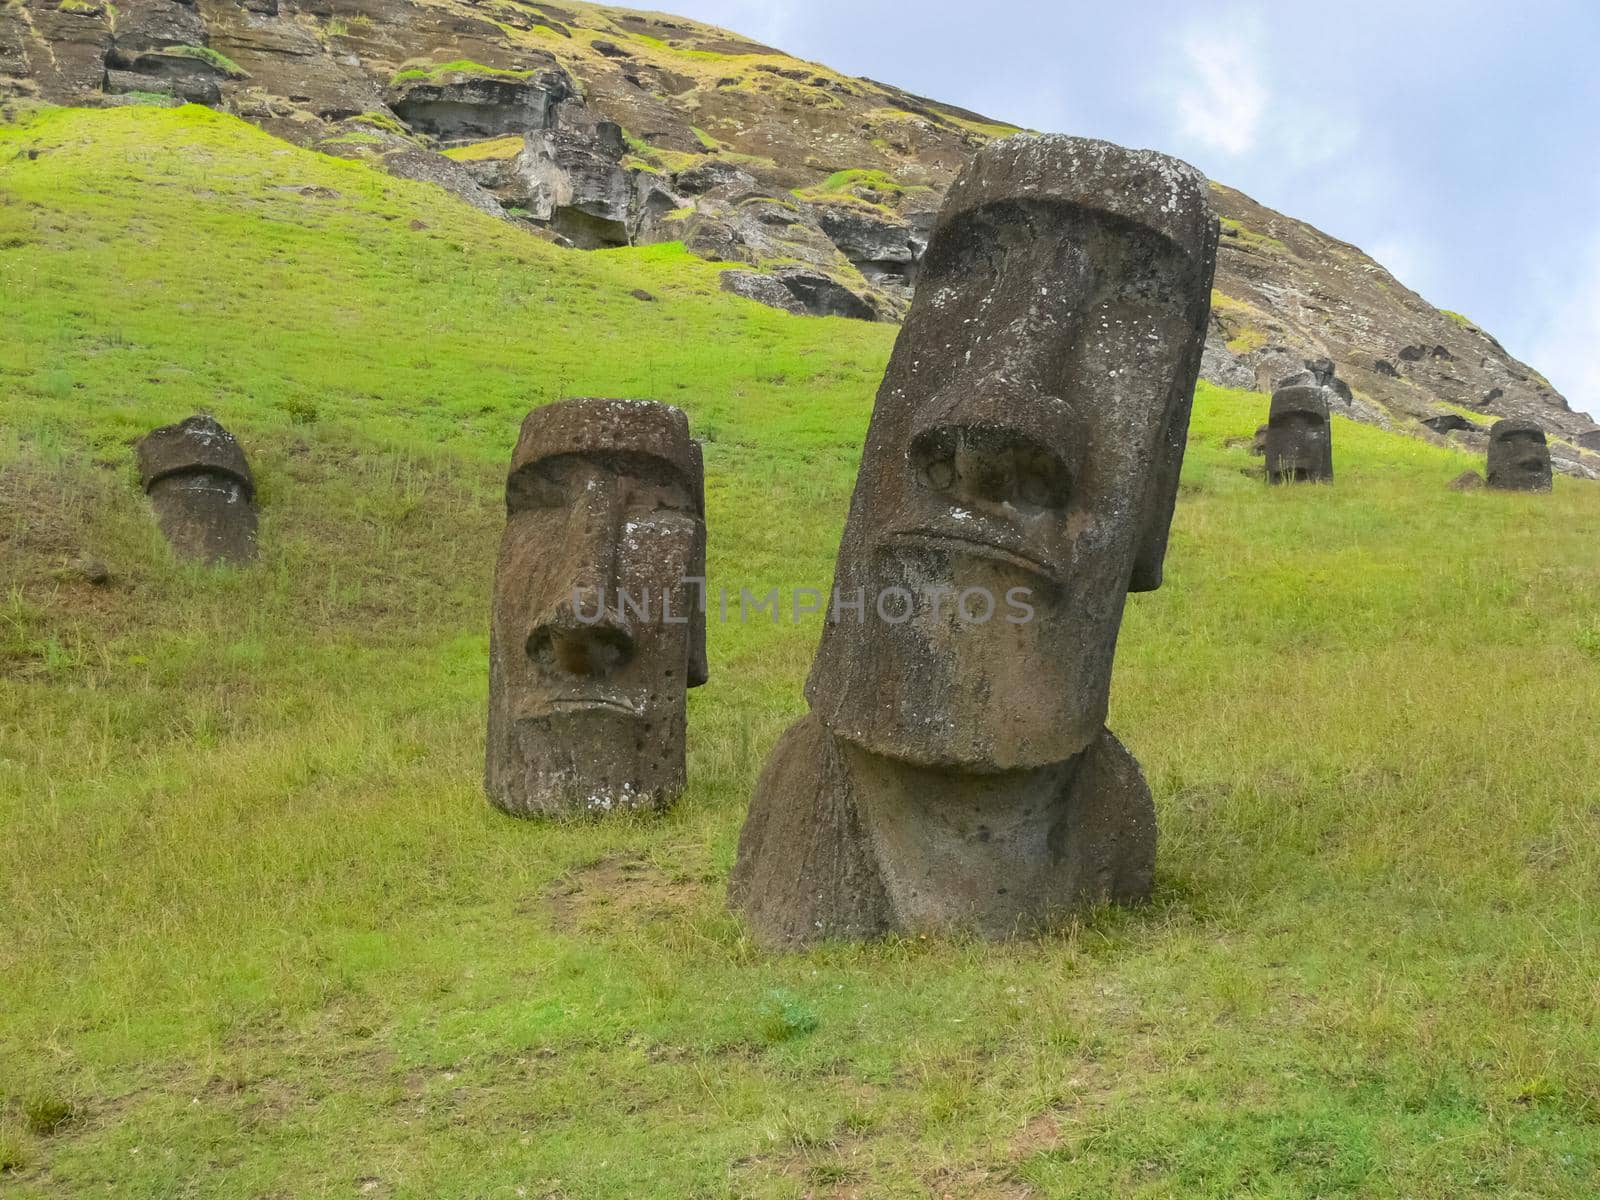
point(1160, 501)
point(699, 668)
point(1162, 496)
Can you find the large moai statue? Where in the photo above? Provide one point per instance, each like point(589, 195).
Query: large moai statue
point(955, 772)
point(200, 486)
point(1299, 436)
point(1519, 457)
point(599, 619)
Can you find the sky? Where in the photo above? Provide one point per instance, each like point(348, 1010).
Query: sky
point(1457, 143)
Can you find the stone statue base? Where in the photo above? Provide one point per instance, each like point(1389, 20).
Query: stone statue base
point(844, 844)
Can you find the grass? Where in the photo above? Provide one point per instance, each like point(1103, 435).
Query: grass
point(493, 148)
point(210, 57)
point(262, 936)
point(436, 72)
point(1246, 236)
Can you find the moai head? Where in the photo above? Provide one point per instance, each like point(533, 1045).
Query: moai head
point(1025, 445)
point(1299, 438)
point(200, 486)
point(1519, 457)
point(597, 626)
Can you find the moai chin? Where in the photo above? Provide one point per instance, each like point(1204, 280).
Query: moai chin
point(956, 774)
point(201, 489)
point(1299, 436)
point(598, 620)
point(1519, 457)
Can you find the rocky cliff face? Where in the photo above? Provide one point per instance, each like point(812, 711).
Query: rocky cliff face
point(604, 127)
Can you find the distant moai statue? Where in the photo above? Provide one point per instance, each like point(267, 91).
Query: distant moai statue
point(1519, 457)
point(1299, 436)
point(598, 620)
point(201, 489)
point(955, 771)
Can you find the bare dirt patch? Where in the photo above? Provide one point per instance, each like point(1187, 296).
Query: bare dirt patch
point(622, 889)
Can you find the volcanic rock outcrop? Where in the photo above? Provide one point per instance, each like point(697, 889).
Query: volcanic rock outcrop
point(1017, 483)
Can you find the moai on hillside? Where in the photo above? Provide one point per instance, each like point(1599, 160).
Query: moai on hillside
point(201, 489)
point(1519, 457)
point(1018, 481)
point(1299, 436)
point(598, 622)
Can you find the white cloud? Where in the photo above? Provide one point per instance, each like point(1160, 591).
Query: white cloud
point(1223, 104)
point(1568, 349)
point(1405, 259)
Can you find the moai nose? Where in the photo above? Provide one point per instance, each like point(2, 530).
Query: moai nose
point(583, 637)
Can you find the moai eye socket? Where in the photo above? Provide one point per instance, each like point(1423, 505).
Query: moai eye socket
point(940, 473)
point(989, 467)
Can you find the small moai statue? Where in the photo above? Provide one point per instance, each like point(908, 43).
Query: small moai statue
point(598, 622)
point(1017, 483)
point(201, 489)
point(1519, 457)
point(1299, 436)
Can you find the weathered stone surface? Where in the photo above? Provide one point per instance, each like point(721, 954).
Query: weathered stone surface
point(874, 845)
point(186, 78)
point(1299, 436)
point(465, 107)
point(799, 291)
point(1219, 366)
point(1519, 457)
point(956, 773)
point(573, 179)
point(1590, 440)
point(884, 248)
point(146, 25)
point(596, 627)
point(201, 488)
point(1467, 481)
point(1451, 423)
point(1258, 444)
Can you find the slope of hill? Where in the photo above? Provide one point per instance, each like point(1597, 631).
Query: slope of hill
point(261, 936)
point(602, 126)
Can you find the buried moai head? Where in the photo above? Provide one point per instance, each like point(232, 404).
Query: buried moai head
point(1299, 437)
point(1519, 457)
point(1026, 443)
point(200, 486)
point(598, 625)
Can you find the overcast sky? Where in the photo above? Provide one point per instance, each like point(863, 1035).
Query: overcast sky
point(1458, 143)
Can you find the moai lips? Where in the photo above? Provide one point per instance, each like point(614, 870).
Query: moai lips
point(1519, 457)
point(201, 489)
point(598, 623)
point(1299, 436)
point(1026, 442)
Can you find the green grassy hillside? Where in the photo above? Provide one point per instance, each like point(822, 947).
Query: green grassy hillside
point(261, 936)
